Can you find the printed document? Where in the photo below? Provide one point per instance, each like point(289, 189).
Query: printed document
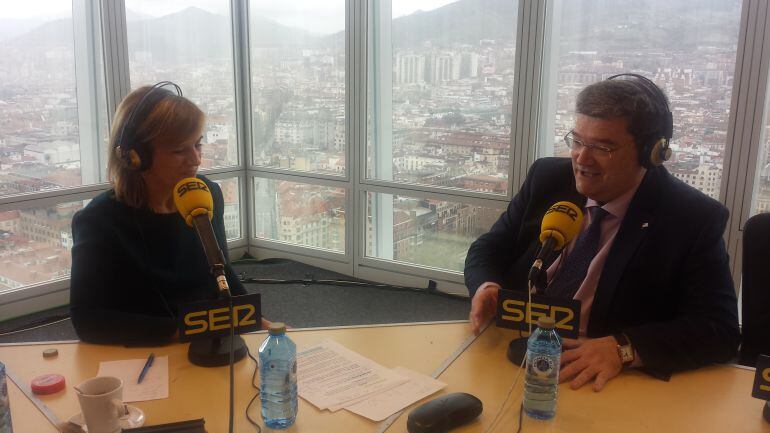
point(329, 375)
point(382, 405)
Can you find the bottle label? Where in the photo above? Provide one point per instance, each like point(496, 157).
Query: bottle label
point(542, 366)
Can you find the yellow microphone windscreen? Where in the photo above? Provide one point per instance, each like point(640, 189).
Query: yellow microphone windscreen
point(562, 222)
point(192, 198)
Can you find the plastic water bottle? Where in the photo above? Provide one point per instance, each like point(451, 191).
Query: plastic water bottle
point(541, 383)
point(5, 407)
point(278, 378)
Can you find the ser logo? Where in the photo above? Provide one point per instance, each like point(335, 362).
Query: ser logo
point(762, 378)
point(567, 210)
point(190, 186)
point(217, 319)
point(212, 318)
point(513, 312)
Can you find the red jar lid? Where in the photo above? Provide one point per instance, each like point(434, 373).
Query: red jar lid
point(48, 384)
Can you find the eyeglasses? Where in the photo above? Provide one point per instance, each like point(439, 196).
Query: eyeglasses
point(577, 144)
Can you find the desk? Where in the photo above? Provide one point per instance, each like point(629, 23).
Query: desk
point(197, 392)
point(713, 399)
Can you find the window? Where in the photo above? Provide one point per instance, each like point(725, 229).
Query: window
point(53, 128)
point(35, 244)
point(190, 45)
point(687, 48)
point(299, 213)
point(425, 232)
point(298, 85)
point(439, 116)
point(51, 104)
point(441, 93)
point(231, 193)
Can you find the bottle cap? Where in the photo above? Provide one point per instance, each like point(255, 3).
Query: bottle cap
point(546, 322)
point(48, 384)
point(277, 328)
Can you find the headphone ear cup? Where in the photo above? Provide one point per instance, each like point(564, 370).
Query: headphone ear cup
point(131, 158)
point(134, 161)
point(660, 152)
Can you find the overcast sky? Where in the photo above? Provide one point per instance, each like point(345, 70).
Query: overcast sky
point(319, 16)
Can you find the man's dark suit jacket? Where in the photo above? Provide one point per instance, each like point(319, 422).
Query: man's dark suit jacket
point(666, 283)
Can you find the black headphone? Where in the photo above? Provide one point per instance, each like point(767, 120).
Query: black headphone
point(654, 152)
point(135, 153)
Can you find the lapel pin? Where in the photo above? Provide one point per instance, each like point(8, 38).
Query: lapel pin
point(645, 225)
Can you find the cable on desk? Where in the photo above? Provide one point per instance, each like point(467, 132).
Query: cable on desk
point(253, 385)
point(516, 380)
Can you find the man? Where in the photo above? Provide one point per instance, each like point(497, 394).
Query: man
point(655, 287)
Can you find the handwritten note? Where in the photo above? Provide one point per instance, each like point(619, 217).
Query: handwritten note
point(154, 386)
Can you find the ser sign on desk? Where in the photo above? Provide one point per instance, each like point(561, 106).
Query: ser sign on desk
point(512, 312)
point(762, 378)
point(208, 319)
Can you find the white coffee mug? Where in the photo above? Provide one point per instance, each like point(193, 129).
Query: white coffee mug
point(101, 400)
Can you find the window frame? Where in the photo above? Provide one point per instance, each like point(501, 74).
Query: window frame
point(535, 78)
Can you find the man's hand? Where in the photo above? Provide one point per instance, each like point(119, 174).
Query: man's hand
point(592, 358)
point(483, 307)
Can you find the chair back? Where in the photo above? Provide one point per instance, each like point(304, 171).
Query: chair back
point(756, 289)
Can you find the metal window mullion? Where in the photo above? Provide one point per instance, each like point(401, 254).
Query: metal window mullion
point(241, 54)
point(549, 77)
point(309, 175)
point(528, 78)
point(499, 203)
point(332, 183)
point(115, 53)
point(86, 27)
point(751, 148)
point(745, 124)
point(456, 193)
point(356, 52)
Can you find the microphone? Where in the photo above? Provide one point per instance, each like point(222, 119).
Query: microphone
point(194, 202)
point(561, 223)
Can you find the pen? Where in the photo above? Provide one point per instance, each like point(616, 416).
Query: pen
point(146, 367)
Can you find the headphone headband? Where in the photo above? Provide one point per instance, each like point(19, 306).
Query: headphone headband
point(655, 153)
point(131, 151)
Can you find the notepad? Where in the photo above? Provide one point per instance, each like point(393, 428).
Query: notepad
point(153, 387)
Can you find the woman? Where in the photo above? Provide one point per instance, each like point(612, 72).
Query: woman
point(134, 260)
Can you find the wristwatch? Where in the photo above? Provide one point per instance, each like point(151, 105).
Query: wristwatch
point(625, 350)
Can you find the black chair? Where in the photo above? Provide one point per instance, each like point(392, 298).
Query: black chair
point(756, 289)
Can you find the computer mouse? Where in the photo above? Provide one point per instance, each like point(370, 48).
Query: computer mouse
point(444, 413)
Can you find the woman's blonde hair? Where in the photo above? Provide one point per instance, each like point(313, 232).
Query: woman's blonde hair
point(162, 117)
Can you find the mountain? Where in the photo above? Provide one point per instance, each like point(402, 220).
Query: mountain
point(136, 16)
point(10, 28)
point(185, 36)
point(182, 37)
point(464, 22)
point(461, 22)
point(51, 34)
point(608, 25)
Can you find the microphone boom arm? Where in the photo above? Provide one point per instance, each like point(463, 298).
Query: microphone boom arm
point(214, 255)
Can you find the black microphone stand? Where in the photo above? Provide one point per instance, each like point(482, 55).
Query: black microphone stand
point(216, 352)
point(517, 348)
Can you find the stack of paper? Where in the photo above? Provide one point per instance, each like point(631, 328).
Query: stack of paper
point(330, 376)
